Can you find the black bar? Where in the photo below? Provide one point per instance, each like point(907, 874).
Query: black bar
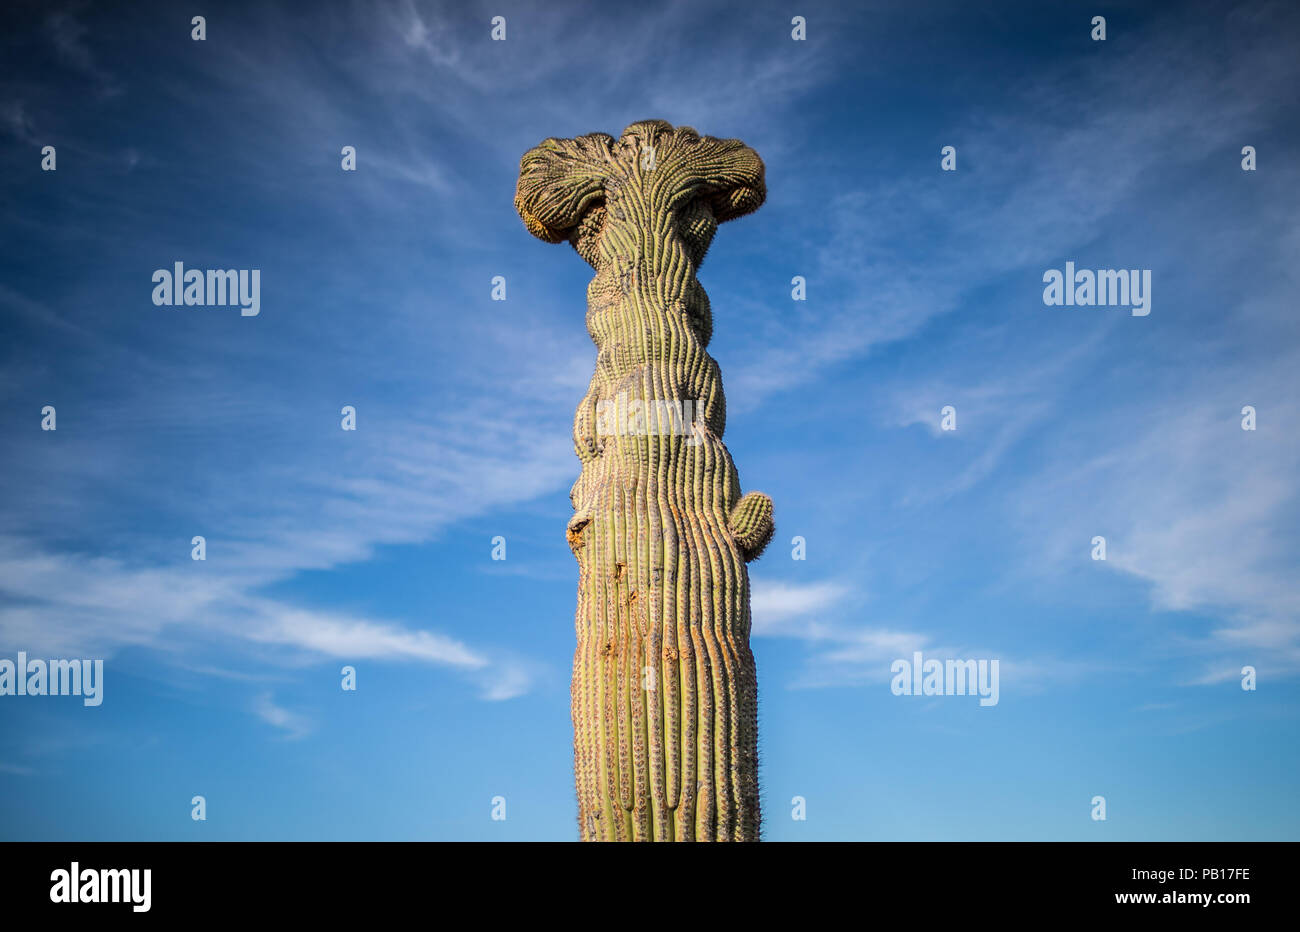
point(367, 880)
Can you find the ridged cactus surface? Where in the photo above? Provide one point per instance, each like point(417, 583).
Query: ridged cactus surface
point(664, 693)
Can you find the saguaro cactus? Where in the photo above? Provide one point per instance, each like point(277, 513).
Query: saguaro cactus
point(664, 694)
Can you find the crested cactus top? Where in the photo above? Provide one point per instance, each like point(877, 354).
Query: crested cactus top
point(563, 181)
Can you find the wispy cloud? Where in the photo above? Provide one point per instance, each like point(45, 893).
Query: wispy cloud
point(1201, 510)
point(68, 35)
point(293, 724)
point(844, 652)
point(885, 259)
point(15, 119)
point(796, 610)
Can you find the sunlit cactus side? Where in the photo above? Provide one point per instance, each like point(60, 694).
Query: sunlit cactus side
point(664, 693)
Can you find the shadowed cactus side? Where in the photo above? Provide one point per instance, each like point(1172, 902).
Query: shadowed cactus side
point(664, 693)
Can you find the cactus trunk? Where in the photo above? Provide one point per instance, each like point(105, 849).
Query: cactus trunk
point(664, 692)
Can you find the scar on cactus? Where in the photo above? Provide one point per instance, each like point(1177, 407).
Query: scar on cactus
point(664, 692)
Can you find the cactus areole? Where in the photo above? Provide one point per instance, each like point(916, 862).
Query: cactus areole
point(664, 695)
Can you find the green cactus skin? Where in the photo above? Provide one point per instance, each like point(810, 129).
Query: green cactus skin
point(664, 691)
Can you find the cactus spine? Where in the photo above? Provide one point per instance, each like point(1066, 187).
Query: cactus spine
point(664, 693)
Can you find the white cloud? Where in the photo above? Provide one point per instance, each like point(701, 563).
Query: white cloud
point(843, 652)
point(1202, 511)
point(292, 724)
point(68, 35)
point(349, 638)
point(776, 602)
point(887, 258)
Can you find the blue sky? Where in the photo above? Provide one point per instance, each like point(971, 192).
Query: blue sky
point(924, 288)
